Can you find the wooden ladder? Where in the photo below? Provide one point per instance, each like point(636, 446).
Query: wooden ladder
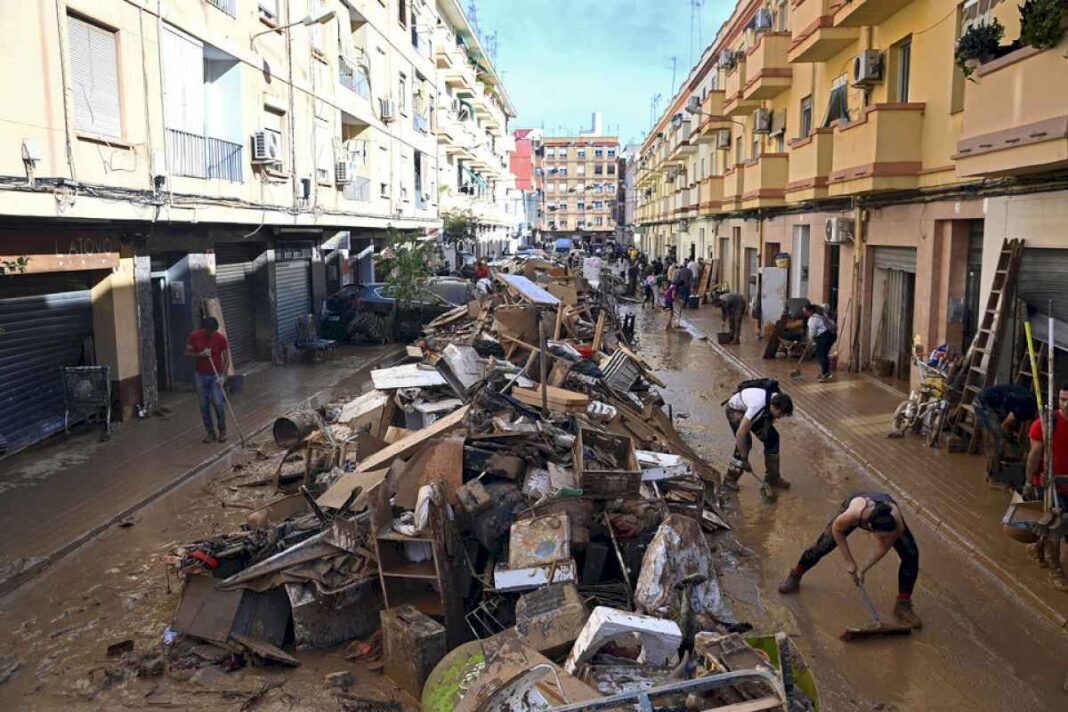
point(983, 355)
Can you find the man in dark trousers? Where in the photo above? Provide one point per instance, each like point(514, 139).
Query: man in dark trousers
point(212, 353)
point(733, 308)
point(1001, 413)
point(878, 513)
point(753, 410)
point(822, 333)
point(684, 280)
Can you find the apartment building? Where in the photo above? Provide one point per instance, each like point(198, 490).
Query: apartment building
point(580, 175)
point(159, 156)
point(627, 194)
point(528, 180)
point(842, 136)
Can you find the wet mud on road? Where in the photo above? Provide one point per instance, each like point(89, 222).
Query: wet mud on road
point(979, 649)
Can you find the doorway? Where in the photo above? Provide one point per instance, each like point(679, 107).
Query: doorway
point(160, 317)
point(970, 320)
point(833, 262)
point(799, 262)
point(725, 261)
point(893, 301)
point(752, 269)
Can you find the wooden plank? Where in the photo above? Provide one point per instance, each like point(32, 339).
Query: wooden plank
point(598, 331)
point(339, 492)
point(407, 445)
point(557, 396)
point(559, 322)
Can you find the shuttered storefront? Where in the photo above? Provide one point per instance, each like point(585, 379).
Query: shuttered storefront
point(895, 258)
point(1042, 278)
point(46, 326)
point(895, 269)
point(292, 290)
point(234, 282)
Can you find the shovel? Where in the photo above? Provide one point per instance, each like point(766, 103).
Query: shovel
point(877, 628)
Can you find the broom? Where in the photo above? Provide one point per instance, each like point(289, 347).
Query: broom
point(877, 628)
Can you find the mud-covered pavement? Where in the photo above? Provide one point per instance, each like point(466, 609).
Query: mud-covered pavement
point(979, 648)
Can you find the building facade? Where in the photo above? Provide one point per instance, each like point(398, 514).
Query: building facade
point(843, 138)
point(627, 194)
point(163, 161)
point(580, 175)
point(529, 183)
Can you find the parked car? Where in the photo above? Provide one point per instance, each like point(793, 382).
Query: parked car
point(362, 312)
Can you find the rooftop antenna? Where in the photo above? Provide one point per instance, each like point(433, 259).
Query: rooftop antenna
point(490, 42)
point(472, 16)
point(695, 25)
point(674, 72)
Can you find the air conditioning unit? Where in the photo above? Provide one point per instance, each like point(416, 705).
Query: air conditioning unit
point(762, 21)
point(694, 104)
point(344, 171)
point(762, 121)
point(723, 140)
point(387, 109)
point(266, 147)
point(868, 68)
point(727, 59)
point(839, 230)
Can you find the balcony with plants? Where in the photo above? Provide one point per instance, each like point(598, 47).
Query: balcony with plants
point(1015, 106)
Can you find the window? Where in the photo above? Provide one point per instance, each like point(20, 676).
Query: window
point(739, 151)
point(383, 171)
point(598, 205)
point(314, 7)
point(598, 153)
point(902, 54)
point(611, 153)
point(782, 16)
point(402, 94)
point(550, 153)
point(837, 103)
point(582, 153)
point(597, 188)
point(324, 149)
point(581, 169)
point(562, 152)
point(701, 174)
point(402, 12)
point(94, 63)
point(581, 205)
point(269, 8)
point(598, 170)
point(806, 117)
point(550, 187)
point(611, 169)
point(563, 171)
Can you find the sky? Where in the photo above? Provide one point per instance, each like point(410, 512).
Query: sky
point(564, 59)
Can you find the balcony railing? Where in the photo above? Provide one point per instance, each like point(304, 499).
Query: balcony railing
point(197, 156)
point(881, 150)
point(359, 189)
point(227, 6)
point(354, 79)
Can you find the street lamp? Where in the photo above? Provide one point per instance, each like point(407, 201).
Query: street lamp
point(694, 107)
point(317, 18)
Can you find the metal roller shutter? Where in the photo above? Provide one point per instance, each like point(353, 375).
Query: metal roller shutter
point(234, 284)
point(1042, 279)
point(902, 259)
point(292, 294)
point(42, 333)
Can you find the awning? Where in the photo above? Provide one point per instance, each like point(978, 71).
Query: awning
point(474, 176)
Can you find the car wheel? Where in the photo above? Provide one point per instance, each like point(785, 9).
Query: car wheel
point(370, 327)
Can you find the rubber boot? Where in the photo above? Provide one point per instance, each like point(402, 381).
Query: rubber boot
point(904, 613)
point(791, 584)
point(730, 479)
point(773, 476)
point(222, 435)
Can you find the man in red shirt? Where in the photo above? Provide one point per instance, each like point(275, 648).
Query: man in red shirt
point(1047, 550)
point(212, 353)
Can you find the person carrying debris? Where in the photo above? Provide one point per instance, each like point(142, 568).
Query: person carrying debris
point(878, 513)
point(684, 280)
point(733, 308)
point(1047, 550)
point(753, 410)
point(822, 333)
point(1001, 412)
point(212, 353)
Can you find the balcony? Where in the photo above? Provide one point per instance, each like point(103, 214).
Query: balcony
point(815, 37)
point(735, 104)
point(733, 187)
point(681, 140)
point(878, 151)
point(767, 71)
point(1015, 121)
point(860, 13)
point(711, 110)
point(765, 181)
point(358, 189)
point(198, 156)
point(810, 166)
point(710, 195)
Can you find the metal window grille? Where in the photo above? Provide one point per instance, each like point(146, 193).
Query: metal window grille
point(201, 157)
point(227, 6)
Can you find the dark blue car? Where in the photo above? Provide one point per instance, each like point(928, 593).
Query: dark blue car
point(365, 312)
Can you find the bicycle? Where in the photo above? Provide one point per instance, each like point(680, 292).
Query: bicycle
point(927, 408)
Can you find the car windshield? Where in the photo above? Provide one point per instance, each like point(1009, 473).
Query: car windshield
point(454, 292)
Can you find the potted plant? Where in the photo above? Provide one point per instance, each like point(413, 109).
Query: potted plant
point(980, 44)
point(1042, 22)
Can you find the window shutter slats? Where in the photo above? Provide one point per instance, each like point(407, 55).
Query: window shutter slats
point(94, 78)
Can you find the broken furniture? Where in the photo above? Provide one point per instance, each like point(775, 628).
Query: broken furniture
point(412, 644)
point(607, 465)
point(308, 341)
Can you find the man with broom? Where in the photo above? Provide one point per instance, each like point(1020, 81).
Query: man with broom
point(212, 353)
point(878, 513)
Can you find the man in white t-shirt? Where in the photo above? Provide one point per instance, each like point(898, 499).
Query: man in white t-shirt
point(753, 411)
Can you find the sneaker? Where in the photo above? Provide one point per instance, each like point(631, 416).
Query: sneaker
point(792, 584)
point(903, 612)
point(209, 437)
point(222, 436)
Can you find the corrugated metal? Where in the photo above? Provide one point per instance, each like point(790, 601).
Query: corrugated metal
point(41, 334)
point(292, 296)
point(234, 284)
point(1042, 278)
point(895, 258)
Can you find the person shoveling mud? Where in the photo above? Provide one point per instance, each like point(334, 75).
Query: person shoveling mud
point(878, 513)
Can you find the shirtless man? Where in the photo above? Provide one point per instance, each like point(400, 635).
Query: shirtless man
point(878, 513)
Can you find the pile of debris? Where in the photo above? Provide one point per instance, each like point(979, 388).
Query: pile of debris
point(512, 507)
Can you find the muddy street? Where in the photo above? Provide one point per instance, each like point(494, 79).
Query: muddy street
point(979, 649)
